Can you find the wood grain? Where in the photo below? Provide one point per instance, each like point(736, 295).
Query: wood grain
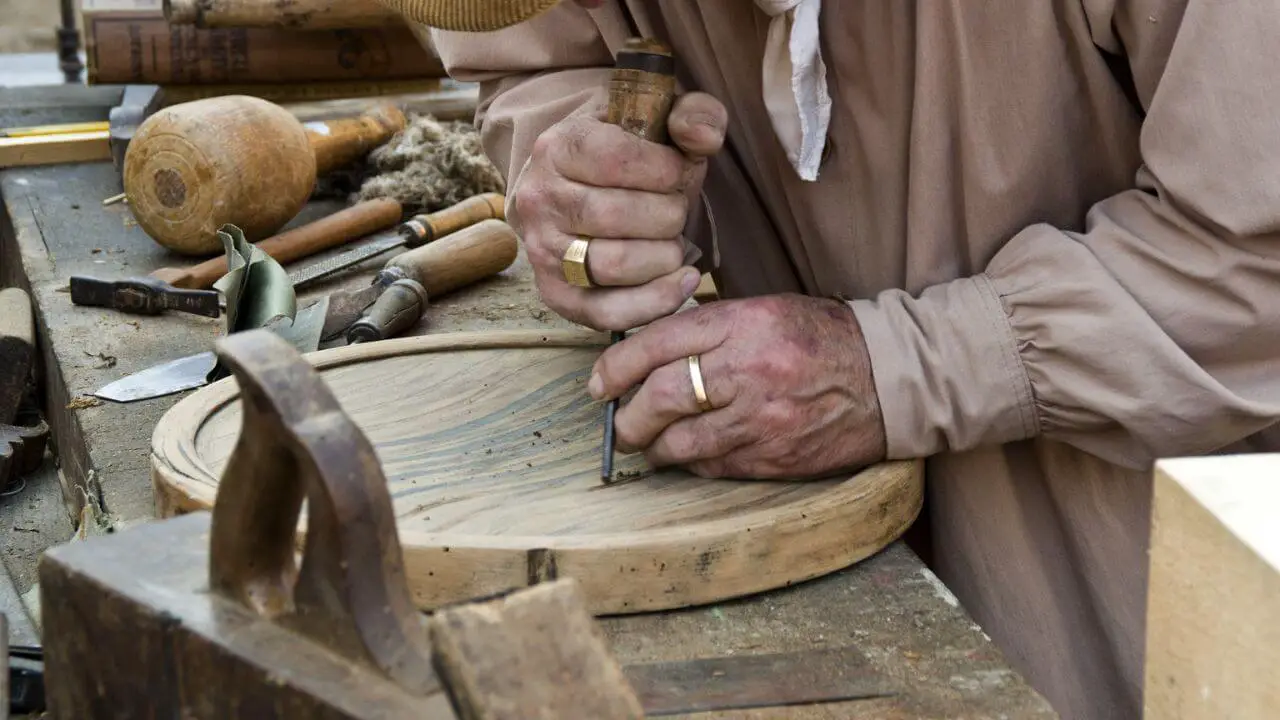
point(1213, 603)
point(461, 258)
point(17, 350)
point(490, 653)
point(88, 146)
point(491, 446)
point(341, 141)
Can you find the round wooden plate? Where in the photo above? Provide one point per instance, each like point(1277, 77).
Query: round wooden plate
point(491, 446)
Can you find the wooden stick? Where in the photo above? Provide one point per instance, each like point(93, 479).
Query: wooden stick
point(341, 141)
point(54, 148)
point(328, 232)
point(296, 14)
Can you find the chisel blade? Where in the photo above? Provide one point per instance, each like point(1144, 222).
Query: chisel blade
point(193, 371)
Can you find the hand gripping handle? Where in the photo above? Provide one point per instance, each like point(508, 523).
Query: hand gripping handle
point(350, 592)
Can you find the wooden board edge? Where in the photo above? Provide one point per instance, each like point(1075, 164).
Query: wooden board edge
point(848, 538)
point(55, 148)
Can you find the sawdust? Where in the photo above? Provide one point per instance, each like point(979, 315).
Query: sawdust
point(430, 165)
point(83, 402)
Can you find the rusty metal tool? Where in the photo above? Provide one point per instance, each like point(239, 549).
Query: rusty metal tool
point(143, 296)
point(642, 90)
point(414, 232)
point(212, 615)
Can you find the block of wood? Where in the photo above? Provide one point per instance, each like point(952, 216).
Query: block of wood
point(1213, 608)
point(492, 447)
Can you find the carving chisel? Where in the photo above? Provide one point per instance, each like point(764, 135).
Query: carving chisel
point(414, 232)
point(642, 90)
point(328, 232)
point(398, 295)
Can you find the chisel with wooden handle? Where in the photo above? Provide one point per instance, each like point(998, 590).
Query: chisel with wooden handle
point(400, 292)
point(328, 232)
point(414, 232)
point(642, 90)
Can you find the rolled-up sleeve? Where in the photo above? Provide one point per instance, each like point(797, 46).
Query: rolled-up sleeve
point(531, 76)
point(1153, 332)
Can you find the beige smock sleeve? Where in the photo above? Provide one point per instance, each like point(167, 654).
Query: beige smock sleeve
point(531, 76)
point(1154, 331)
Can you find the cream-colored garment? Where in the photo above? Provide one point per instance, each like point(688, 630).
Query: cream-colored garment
point(1059, 223)
point(795, 82)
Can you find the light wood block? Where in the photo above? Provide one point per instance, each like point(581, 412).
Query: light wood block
point(1213, 609)
point(61, 147)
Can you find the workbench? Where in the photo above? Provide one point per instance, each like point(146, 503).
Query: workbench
point(891, 607)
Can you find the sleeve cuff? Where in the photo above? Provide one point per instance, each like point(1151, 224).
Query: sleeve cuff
point(946, 368)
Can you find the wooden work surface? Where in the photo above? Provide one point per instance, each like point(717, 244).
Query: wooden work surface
point(890, 606)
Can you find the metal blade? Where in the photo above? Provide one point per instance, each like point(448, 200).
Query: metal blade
point(160, 380)
point(192, 371)
point(378, 244)
point(756, 681)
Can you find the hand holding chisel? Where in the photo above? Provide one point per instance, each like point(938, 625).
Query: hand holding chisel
point(641, 92)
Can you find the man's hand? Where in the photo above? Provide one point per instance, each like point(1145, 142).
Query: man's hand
point(631, 197)
point(789, 378)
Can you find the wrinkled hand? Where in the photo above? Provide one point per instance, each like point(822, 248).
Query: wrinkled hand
point(631, 198)
point(789, 378)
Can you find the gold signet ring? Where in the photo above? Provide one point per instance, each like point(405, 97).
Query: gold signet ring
point(574, 264)
point(699, 390)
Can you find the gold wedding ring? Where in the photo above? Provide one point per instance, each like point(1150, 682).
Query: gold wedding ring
point(574, 264)
point(699, 391)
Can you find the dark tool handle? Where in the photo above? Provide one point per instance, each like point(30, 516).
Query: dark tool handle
point(422, 229)
point(350, 592)
point(642, 89)
point(397, 309)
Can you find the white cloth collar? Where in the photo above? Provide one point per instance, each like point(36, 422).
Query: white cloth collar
point(795, 82)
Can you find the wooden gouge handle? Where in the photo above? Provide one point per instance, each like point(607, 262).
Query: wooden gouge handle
point(426, 228)
point(467, 256)
point(328, 232)
point(464, 257)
